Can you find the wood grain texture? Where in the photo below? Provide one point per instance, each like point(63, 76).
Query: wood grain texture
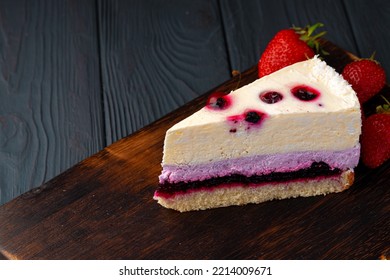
point(102, 208)
point(250, 25)
point(156, 56)
point(50, 110)
point(370, 23)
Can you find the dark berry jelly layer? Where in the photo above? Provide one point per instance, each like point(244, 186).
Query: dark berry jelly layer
point(317, 169)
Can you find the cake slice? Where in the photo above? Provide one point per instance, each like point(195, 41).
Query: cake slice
point(292, 133)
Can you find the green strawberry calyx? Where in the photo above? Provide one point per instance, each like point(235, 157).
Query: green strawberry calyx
point(385, 108)
point(307, 34)
point(372, 58)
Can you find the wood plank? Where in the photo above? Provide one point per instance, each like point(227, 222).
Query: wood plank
point(102, 208)
point(370, 23)
point(250, 25)
point(50, 111)
point(156, 56)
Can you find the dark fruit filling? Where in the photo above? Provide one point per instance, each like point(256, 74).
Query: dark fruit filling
point(221, 102)
point(218, 101)
point(305, 93)
point(317, 169)
point(271, 97)
point(252, 117)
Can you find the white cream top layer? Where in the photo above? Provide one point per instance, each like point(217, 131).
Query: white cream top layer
point(330, 122)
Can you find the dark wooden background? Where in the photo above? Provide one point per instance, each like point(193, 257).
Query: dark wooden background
point(76, 76)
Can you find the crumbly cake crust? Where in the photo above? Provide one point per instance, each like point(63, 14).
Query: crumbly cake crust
point(241, 195)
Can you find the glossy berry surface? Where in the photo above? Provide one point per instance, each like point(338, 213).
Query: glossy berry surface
point(366, 76)
point(289, 46)
point(252, 117)
point(375, 140)
point(305, 93)
point(218, 101)
point(284, 49)
point(271, 97)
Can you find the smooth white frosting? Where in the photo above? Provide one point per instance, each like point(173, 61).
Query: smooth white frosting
point(330, 122)
point(336, 94)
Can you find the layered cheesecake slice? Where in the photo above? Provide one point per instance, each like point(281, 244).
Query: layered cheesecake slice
point(292, 133)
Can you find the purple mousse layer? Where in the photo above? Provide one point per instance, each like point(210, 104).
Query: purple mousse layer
point(317, 171)
point(260, 165)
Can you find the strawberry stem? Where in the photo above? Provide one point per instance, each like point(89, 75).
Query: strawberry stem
point(385, 108)
point(387, 101)
point(307, 35)
point(372, 57)
point(318, 35)
point(311, 29)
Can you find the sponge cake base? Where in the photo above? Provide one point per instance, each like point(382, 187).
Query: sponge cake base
point(241, 194)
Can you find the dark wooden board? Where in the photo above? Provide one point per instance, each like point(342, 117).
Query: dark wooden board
point(102, 208)
point(50, 111)
point(157, 56)
point(75, 74)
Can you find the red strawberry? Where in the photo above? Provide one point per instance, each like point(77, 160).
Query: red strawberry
point(366, 76)
point(375, 140)
point(288, 47)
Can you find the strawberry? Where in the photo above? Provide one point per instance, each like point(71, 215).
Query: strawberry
point(287, 47)
point(366, 77)
point(375, 139)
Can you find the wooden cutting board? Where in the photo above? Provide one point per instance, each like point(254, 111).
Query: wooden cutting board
point(102, 208)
